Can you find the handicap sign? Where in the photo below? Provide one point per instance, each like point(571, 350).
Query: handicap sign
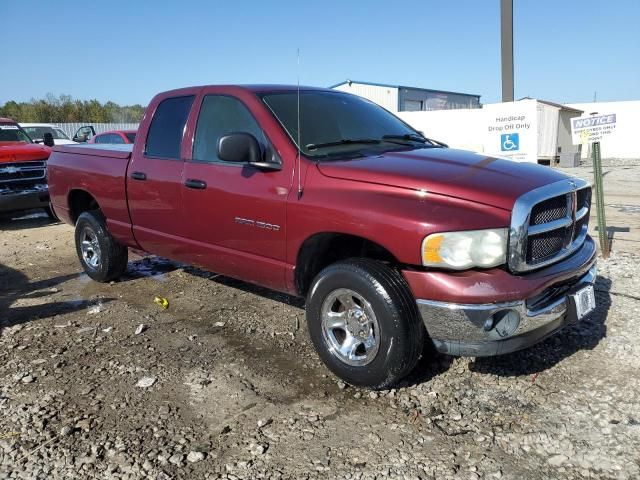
point(509, 142)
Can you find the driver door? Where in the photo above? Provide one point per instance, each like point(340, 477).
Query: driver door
point(234, 212)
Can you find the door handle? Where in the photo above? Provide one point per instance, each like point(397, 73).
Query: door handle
point(138, 176)
point(197, 184)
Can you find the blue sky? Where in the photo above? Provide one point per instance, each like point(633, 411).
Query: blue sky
point(126, 51)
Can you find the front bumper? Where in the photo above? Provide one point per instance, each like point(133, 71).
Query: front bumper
point(502, 327)
point(24, 199)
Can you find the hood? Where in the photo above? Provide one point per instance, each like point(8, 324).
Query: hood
point(445, 171)
point(22, 152)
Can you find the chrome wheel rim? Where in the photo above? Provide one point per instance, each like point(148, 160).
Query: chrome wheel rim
point(350, 327)
point(90, 248)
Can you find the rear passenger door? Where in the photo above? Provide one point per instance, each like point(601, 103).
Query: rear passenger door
point(154, 180)
point(235, 213)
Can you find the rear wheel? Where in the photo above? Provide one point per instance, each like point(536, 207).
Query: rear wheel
point(364, 323)
point(102, 258)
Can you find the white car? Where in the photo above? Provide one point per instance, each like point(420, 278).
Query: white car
point(37, 130)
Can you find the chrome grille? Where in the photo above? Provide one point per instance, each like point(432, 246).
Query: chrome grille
point(549, 210)
point(549, 224)
point(545, 245)
point(22, 171)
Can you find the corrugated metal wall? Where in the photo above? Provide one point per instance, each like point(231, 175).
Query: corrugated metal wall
point(547, 131)
point(416, 99)
point(71, 128)
point(386, 97)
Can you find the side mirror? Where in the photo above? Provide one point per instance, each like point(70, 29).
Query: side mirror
point(48, 140)
point(243, 147)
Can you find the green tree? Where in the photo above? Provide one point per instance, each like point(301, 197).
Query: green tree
point(64, 109)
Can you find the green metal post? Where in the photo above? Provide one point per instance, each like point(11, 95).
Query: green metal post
point(598, 180)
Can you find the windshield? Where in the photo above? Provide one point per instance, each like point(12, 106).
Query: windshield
point(37, 133)
point(60, 135)
point(334, 123)
point(12, 133)
point(131, 136)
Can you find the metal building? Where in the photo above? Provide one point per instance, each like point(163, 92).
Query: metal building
point(554, 133)
point(399, 98)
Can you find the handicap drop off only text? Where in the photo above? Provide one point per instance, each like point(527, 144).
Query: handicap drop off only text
point(509, 123)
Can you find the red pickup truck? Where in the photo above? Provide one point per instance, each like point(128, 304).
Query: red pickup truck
point(394, 240)
point(23, 169)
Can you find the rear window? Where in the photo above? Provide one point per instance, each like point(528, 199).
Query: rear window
point(167, 127)
point(108, 138)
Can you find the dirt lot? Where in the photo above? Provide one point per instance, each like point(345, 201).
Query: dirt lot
point(225, 383)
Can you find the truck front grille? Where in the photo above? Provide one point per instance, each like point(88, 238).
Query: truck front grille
point(546, 245)
point(549, 224)
point(549, 210)
point(22, 172)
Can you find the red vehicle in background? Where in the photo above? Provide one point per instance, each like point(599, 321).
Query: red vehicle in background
point(23, 183)
point(115, 137)
point(87, 134)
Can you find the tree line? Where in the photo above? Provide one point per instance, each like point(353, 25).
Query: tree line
point(64, 109)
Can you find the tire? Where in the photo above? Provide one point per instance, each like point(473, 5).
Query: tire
point(382, 307)
point(51, 214)
point(101, 257)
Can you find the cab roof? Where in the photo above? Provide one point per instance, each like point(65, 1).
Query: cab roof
point(254, 88)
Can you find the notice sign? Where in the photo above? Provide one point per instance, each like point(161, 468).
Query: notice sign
point(592, 129)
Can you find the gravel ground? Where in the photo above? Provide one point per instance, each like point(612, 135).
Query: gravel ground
point(98, 381)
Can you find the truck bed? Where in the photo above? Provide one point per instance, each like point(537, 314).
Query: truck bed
point(97, 168)
point(97, 149)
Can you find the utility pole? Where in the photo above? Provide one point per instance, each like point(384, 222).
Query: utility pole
point(506, 27)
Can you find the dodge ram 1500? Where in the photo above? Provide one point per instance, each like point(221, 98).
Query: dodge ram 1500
point(395, 241)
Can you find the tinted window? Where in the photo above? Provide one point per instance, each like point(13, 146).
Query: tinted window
point(130, 136)
point(219, 116)
point(167, 127)
point(331, 117)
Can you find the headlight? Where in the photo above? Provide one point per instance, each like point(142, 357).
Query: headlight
point(461, 250)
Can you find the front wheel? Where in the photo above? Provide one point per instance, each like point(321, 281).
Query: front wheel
point(50, 213)
point(364, 323)
point(102, 258)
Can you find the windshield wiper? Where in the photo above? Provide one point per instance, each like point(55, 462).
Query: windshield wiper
point(414, 137)
point(345, 141)
point(407, 136)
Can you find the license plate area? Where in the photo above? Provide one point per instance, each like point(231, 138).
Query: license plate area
point(584, 301)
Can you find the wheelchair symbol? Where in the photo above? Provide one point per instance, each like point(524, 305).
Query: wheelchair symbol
point(509, 142)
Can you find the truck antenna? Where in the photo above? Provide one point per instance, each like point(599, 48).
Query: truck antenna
point(298, 162)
